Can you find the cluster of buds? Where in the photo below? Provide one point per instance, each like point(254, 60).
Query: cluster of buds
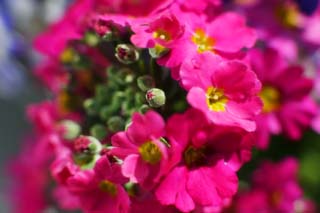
point(157, 105)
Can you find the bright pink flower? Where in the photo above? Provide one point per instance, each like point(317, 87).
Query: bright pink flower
point(43, 115)
point(30, 173)
point(52, 75)
point(203, 162)
point(139, 8)
point(197, 6)
point(100, 190)
point(275, 189)
point(316, 123)
point(53, 41)
point(157, 32)
point(216, 36)
point(146, 203)
point(30, 181)
point(227, 92)
point(312, 29)
point(141, 149)
point(285, 93)
point(65, 199)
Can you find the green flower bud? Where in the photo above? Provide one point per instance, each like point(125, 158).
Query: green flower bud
point(94, 145)
point(98, 131)
point(144, 108)
point(115, 124)
point(127, 53)
point(91, 38)
point(106, 112)
point(145, 82)
point(71, 129)
point(158, 51)
point(155, 97)
point(124, 76)
point(90, 106)
point(88, 151)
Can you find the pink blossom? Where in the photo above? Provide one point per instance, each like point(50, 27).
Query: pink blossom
point(54, 40)
point(285, 92)
point(275, 189)
point(100, 190)
point(227, 92)
point(311, 31)
point(203, 162)
point(52, 75)
point(163, 31)
point(140, 148)
point(43, 115)
point(216, 36)
point(65, 199)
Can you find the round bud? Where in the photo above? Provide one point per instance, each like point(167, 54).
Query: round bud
point(71, 129)
point(145, 82)
point(115, 124)
point(98, 131)
point(155, 97)
point(126, 53)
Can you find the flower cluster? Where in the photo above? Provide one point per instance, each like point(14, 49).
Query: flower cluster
point(156, 105)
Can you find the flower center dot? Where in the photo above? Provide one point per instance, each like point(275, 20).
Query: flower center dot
point(216, 99)
point(270, 97)
point(150, 152)
point(203, 41)
point(108, 187)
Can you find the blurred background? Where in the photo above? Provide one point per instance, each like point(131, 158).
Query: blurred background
point(20, 21)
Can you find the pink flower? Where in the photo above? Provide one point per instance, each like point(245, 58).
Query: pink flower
point(157, 32)
point(52, 75)
point(198, 6)
point(227, 92)
point(285, 93)
point(100, 190)
point(274, 189)
point(30, 180)
point(140, 148)
point(216, 36)
point(312, 29)
point(146, 203)
point(203, 162)
point(53, 41)
point(65, 199)
point(43, 115)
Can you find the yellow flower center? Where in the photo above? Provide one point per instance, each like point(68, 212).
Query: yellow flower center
point(162, 34)
point(275, 198)
point(150, 152)
point(108, 187)
point(216, 99)
point(203, 41)
point(194, 157)
point(270, 97)
point(288, 15)
point(67, 56)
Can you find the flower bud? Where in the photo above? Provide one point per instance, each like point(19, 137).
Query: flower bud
point(98, 131)
point(145, 82)
point(158, 51)
point(90, 106)
point(127, 53)
point(91, 38)
point(87, 144)
point(124, 76)
point(155, 97)
point(115, 124)
point(71, 129)
point(144, 108)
